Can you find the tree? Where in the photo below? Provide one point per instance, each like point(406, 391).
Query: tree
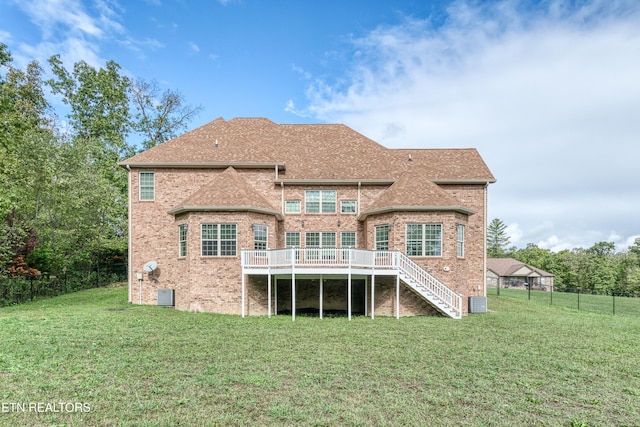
point(630, 268)
point(26, 151)
point(159, 117)
point(534, 256)
point(98, 100)
point(497, 239)
point(101, 121)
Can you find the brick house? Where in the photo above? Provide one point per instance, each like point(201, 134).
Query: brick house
point(251, 217)
point(508, 272)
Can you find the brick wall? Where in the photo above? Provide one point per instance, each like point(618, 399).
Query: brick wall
point(214, 283)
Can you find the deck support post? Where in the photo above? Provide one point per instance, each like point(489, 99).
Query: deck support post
point(243, 293)
point(275, 296)
point(397, 296)
point(321, 293)
point(293, 296)
point(269, 295)
point(366, 296)
point(349, 296)
point(373, 285)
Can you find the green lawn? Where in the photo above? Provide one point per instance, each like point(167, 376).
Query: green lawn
point(604, 304)
point(523, 363)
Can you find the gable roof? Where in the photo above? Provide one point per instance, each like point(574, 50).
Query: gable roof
point(509, 267)
point(303, 153)
point(227, 191)
point(409, 193)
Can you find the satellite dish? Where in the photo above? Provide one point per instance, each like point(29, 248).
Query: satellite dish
point(150, 266)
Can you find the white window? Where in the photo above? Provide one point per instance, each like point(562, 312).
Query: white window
point(218, 239)
point(348, 239)
point(147, 186)
point(259, 237)
point(182, 240)
point(382, 237)
point(320, 201)
point(348, 206)
point(316, 239)
point(291, 239)
point(460, 240)
point(292, 206)
point(424, 239)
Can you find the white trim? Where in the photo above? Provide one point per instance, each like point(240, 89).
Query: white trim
point(388, 209)
point(130, 235)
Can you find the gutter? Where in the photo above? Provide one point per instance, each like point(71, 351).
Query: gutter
point(183, 209)
point(203, 165)
point(387, 209)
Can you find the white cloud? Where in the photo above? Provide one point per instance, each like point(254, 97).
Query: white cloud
point(193, 47)
point(51, 15)
point(549, 96)
point(76, 30)
point(514, 232)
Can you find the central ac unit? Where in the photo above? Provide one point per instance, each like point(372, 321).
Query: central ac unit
point(166, 297)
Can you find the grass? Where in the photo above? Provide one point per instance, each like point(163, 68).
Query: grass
point(519, 364)
point(604, 304)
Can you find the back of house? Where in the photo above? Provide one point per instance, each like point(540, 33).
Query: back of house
point(247, 216)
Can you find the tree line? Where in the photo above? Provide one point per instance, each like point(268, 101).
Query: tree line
point(598, 268)
point(63, 197)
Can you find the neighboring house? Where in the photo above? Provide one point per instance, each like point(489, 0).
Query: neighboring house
point(251, 217)
point(508, 272)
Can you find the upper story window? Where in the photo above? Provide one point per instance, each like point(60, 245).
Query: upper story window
point(182, 240)
point(320, 201)
point(218, 239)
point(259, 237)
point(424, 239)
point(292, 206)
point(460, 240)
point(348, 206)
point(382, 237)
point(147, 185)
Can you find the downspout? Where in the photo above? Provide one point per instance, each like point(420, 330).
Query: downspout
point(359, 185)
point(129, 238)
point(282, 196)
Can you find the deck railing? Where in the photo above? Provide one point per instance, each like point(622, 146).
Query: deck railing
point(318, 257)
point(411, 273)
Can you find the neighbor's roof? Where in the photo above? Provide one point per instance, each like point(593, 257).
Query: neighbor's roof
point(308, 153)
point(509, 267)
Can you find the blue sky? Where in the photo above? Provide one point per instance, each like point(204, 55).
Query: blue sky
point(548, 91)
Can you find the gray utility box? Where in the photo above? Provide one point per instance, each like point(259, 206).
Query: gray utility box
point(166, 297)
point(477, 304)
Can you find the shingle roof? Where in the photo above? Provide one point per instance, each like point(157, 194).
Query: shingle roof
point(307, 152)
point(448, 164)
point(227, 191)
point(410, 192)
point(506, 267)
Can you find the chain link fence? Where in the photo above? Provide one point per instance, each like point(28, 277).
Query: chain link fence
point(16, 290)
point(597, 301)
